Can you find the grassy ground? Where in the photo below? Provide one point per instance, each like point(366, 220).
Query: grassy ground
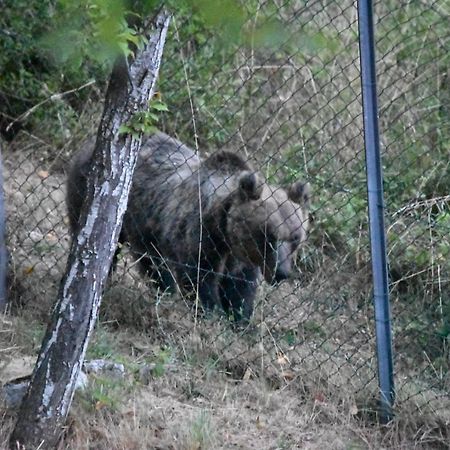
point(190, 398)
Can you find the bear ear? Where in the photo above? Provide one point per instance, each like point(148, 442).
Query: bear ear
point(300, 193)
point(250, 186)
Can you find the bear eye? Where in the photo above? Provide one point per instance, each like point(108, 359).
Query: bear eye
point(296, 238)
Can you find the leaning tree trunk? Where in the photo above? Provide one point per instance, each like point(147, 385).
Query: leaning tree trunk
point(52, 386)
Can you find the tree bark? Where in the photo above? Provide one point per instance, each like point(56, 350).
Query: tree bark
point(48, 399)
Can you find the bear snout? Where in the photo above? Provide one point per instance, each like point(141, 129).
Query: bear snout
point(278, 272)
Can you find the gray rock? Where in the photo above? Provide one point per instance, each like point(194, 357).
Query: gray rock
point(12, 392)
point(105, 367)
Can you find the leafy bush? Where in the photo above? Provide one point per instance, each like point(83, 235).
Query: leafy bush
point(32, 74)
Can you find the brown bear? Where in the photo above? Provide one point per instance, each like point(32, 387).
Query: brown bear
point(211, 226)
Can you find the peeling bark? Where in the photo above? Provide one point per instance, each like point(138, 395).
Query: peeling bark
point(48, 399)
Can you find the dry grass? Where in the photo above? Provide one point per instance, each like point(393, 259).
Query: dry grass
point(192, 402)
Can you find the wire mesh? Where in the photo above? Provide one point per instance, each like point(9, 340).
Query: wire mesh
point(291, 109)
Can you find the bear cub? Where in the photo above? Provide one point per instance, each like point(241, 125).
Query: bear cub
point(211, 226)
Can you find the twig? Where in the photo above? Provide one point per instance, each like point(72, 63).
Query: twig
point(417, 204)
point(52, 97)
point(191, 103)
point(188, 86)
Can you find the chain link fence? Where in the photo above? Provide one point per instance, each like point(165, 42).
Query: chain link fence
point(291, 107)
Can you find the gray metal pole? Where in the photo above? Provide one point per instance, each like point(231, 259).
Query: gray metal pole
point(376, 208)
point(3, 252)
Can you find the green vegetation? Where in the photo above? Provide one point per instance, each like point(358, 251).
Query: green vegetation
point(31, 73)
point(145, 121)
point(102, 393)
point(201, 434)
point(103, 345)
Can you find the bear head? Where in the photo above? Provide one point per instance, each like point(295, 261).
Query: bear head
point(267, 224)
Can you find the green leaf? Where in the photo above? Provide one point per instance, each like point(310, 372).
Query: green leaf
point(159, 106)
point(125, 129)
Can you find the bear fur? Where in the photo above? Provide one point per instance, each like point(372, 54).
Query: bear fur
point(211, 226)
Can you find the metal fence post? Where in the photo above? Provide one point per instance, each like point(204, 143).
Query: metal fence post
point(3, 252)
point(376, 208)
